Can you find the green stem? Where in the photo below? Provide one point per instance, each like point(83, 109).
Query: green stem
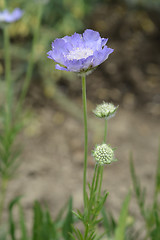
point(31, 59)
point(97, 178)
point(101, 179)
point(85, 139)
point(102, 167)
point(92, 191)
point(8, 108)
point(3, 195)
point(91, 201)
point(105, 131)
point(86, 232)
point(3, 4)
point(9, 87)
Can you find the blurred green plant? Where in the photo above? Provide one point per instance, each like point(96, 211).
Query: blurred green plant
point(154, 4)
point(59, 17)
point(123, 229)
point(42, 226)
point(150, 214)
point(11, 111)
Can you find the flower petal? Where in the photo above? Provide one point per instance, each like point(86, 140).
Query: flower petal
point(89, 34)
point(79, 65)
point(104, 41)
point(74, 65)
point(75, 40)
point(57, 66)
point(92, 40)
point(101, 56)
point(58, 51)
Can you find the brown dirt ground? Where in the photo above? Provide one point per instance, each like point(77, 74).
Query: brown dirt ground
point(52, 161)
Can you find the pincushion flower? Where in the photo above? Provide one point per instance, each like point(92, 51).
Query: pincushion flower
point(79, 53)
point(103, 154)
point(6, 16)
point(105, 110)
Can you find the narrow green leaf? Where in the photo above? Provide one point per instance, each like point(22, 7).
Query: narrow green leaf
point(23, 228)
point(77, 233)
point(79, 216)
point(157, 180)
point(120, 230)
point(51, 227)
point(61, 212)
point(67, 226)
point(107, 222)
point(100, 237)
point(38, 220)
point(91, 236)
point(140, 193)
point(11, 218)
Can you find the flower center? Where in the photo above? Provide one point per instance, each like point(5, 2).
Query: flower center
point(79, 53)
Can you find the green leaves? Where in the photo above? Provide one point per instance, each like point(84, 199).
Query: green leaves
point(157, 179)
point(43, 226)
point(120, 230)
point(67, 226)
point(9, 151)
point(94, 203)
point(139, 191)
point(151, 214)
point(109, 223)
point(117, 230)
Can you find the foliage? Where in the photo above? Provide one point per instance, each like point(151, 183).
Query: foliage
point(150, 214)
point(124, 227)
point(43, 226)
point(90, 216)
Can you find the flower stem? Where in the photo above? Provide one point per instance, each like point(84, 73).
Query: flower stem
point(4, 185)
point(9, 88)
point(8, 109)
point(105, 131)
point(91, 202)
point(85, 139)
point(101, 178)
point(102, 167)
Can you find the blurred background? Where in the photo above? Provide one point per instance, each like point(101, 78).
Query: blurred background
point(52, 141)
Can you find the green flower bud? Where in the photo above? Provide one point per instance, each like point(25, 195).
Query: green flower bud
point(103, 154)
point(105, 110)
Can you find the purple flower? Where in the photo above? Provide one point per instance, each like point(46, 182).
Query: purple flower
point(6, 16)
point(79, 52)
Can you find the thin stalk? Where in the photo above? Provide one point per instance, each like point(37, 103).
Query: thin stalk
point(86, 233)
point(157, 180)
point(97, 178)
point(31, 59)
point(3, 4)
point(8, 108)
point(92, 191)
point(85, 139)
point(94, 177)
point(101, 179)
point(91, 201)
point(105, 131)
point(3, 190)
point(102, 167)
point(9, 88)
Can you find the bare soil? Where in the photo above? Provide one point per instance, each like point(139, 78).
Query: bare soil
point(52, 160)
